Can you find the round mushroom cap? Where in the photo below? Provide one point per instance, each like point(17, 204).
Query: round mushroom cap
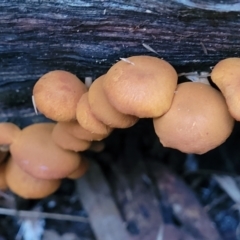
point(8, 132)
point(57, 93)
point(67, 141)
point(27, 186)
point(226, 75)
point(106, 113)
point(76, 130)
point(37, 154)
point(197, 121)
point(87, 120)
point(142, 86)
point(81, 170)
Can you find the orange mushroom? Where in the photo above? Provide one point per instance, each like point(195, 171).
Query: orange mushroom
point(81, 170)
point(197, 121)
point(67, 141)
point(104, 111)
point(76, 130)
point(226, 75)
point(27, 186)
point(142, 86)
point(87, 120)
point(37, 154)
point(57, 93)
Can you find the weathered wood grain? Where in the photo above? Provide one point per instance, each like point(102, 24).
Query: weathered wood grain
point(87, 37)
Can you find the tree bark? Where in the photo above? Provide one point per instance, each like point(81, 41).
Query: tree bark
point(87, 37)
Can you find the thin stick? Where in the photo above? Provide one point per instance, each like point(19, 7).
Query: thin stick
point(34, 105)
point(127, 61)
point(204, 48)
point(6, 196)
point(150, 48)
point(34, 214)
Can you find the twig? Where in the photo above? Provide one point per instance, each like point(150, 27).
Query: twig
point(34, 105)
point(6, 196)
point(34, 214)
point(229, 185)
point(150, 48)
point(204, 48)
point(127, 61)
point(215, 202)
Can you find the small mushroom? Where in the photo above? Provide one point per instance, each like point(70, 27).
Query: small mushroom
point(142, 86)
point(87, 120)
point(104, 111)
point(226, 75)
point(197, 121)
point(81, 170)
point(76, 130)
point(67, 141)
point(27, 186)
point(37, 154)
point(57, 93)
point(8, 132)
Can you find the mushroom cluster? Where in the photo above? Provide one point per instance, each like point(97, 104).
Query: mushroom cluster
point(31, 164)
point(191, 117)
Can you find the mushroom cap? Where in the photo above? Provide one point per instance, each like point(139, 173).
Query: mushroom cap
point(67, 141)
point(87, 120)
point(57, 93)
point(143, 86)
point(8, 131)
point(197, 121)
point(76, 130)
point(226, 75)
point(81, 170)
point(106, 113)
point(37, 154)
point(27, 186)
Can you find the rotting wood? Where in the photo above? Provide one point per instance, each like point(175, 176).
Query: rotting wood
point(41, 215)
point(95, 195)
point(87, 37)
